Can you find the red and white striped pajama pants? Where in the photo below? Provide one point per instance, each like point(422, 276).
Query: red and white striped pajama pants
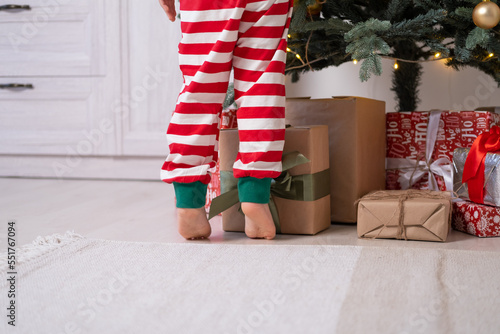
point(248, 36)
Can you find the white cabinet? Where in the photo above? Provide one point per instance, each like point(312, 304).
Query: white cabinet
point(54, 40)
point(105, 81)
point(67, 51)
point(55, 117)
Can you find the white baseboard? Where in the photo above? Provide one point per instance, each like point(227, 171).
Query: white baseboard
point(72, 167)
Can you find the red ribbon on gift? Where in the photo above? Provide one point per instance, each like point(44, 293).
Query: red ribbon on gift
point(475, 164)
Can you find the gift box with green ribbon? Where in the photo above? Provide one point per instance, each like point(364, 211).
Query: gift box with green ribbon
point(300, 196)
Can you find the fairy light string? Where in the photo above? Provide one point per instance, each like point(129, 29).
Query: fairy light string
point(437, 57)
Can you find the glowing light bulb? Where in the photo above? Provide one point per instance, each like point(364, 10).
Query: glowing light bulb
point(437, 55)
point(355, 61)
point(491, 55)
point(289, 36)
point(298, 56)
point(396, 65)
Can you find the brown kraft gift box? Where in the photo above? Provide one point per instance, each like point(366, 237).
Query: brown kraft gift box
point(296, 217)
point(357, 146)
point(426, 215)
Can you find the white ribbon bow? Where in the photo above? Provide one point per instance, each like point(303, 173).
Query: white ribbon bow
point(416, 169)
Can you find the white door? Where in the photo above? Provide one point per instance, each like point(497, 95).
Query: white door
point(153, 79)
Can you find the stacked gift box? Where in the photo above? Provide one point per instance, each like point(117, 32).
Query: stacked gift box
point(417, 204)
point(410, 154)
point(477, 182)
point(346, 160)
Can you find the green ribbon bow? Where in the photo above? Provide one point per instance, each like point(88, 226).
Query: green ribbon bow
point(307, 187)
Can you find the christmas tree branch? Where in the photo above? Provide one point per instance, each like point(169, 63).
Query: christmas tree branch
point(307, 51)
point(409, 32)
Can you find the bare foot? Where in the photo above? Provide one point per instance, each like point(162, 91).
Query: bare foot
point(193, 224)
point(258, 221)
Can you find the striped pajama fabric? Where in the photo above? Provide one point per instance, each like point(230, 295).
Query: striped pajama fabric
point(248, 36)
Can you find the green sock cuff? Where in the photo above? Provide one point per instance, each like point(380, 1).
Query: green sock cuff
point(253, 190)
point(190, 195)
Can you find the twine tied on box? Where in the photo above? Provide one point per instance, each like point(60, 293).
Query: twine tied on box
point(415, 169)
point(402, 197)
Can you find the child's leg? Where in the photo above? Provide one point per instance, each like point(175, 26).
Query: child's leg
point(259, 66)
point(210, 32)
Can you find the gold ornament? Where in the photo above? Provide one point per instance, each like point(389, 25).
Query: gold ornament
point(486, 15)
point(315, 9)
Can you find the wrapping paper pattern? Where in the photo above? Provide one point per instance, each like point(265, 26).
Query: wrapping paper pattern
point(228, 121)
point(476, 219)
point(407, 138)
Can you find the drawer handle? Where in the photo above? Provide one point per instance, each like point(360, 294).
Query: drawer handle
point(14, 7)
point(16, 85)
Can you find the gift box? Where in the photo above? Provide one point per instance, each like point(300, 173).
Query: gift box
point(405, 214)
point(420, 145)
point(302, 213)
point(490, 182)
point(476, 219)
point(213, 188)
point(228, 121)
point(357, 146)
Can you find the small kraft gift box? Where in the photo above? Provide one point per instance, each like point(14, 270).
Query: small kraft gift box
point(491, 180)
point(300, 197)
point(423, 215)
point(357, 146)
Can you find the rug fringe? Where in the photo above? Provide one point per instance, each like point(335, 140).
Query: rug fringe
point(40, 246)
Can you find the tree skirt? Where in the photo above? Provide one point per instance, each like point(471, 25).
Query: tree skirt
point(72, 284)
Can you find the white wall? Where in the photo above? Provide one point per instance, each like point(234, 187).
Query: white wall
point(441, 88)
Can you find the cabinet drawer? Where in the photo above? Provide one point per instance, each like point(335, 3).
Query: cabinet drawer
point(71, 44)
point(58, 116)
point(44, 10)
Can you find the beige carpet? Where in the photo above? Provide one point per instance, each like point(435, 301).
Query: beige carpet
point(72, 284)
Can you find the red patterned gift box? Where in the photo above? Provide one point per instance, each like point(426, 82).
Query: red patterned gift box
point(476, 219)
point(228, 121)
point(420, 144)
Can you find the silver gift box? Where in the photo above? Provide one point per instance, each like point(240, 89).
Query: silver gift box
point(492, 176)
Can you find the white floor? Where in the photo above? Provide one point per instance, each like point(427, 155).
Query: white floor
point(145, 211)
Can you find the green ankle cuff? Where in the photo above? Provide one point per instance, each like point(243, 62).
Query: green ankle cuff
point(190, 195)
point(253, 190)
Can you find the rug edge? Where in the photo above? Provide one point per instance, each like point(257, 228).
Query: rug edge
point(40, 246)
